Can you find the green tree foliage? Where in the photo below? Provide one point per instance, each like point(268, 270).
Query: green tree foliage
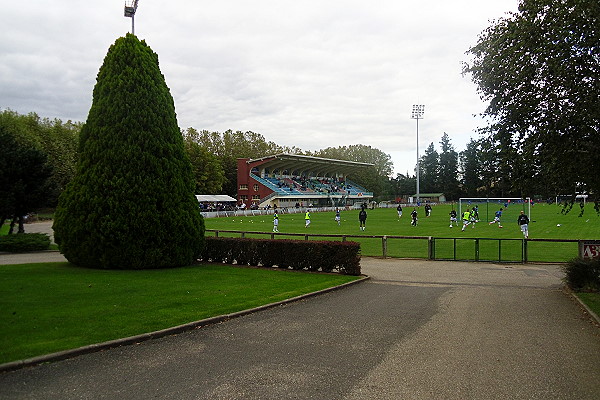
point(430, 170)
point(131, 203)
point(375, 178)
point(448, 169)
point(229, 146)
point(539, 69)
point(208, 171)
point(24, 173)
point(57, 140)
point(471, 169)
point(403, 186)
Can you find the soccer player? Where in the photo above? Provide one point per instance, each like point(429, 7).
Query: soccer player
point(413, 217)
point(475, 213)
point(307, 218)
point(427, 210)
point(275, 223)
point(466, 219)
point(399, 209)
point(453, 218)
point(473, 218)
point(497, 218)
point(523, 221)
point(338, 217)
point(362, 218)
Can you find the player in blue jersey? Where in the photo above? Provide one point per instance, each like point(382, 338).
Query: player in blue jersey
point(497, 218)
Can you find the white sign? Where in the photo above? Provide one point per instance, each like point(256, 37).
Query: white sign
point(590, 249)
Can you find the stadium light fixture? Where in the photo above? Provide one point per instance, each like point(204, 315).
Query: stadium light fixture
point(130, 9)
point(417, 113)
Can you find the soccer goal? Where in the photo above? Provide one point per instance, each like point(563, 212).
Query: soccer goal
point(488, 206)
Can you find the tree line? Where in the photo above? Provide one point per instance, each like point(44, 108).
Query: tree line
point(45, 152)
point(38, 157)
point(37, 161)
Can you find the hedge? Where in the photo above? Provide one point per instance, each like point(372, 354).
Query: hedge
point(326, 256)
point(583, 274)
point(22, 242)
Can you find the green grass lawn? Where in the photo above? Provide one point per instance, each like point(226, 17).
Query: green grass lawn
point(384, 221)
point(592, 300)
point(50, 307)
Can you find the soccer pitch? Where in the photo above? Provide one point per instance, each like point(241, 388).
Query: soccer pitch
point(547, 222)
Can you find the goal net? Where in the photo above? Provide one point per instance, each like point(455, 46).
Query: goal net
point(487, 206)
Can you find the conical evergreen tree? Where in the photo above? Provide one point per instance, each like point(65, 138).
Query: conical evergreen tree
point(131, 204)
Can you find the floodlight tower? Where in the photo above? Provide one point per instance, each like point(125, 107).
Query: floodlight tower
point(417, 113)
point(130, 10)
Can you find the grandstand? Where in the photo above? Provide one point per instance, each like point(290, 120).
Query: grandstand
point(290, 180)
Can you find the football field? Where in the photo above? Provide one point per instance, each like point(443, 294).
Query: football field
point(547, 222)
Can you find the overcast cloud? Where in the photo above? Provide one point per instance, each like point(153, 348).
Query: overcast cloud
point(310, 74)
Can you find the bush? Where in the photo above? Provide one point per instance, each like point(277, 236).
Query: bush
point(22, 242)
point(583, 274)
point(131, 204)
point(327, 256)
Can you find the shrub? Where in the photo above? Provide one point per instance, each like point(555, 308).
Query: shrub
point(131, 203)
point(22, 242)
point(326, 256)
point(583, 274)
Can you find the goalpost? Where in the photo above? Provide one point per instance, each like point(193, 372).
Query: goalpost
point(497, 202)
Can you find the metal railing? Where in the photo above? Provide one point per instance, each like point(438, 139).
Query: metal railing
point(437, 248)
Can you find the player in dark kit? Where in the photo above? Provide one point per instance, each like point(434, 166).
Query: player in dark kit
point(427, 210)
point(523, 221)
point(413, 216)
point(453, 218)
point(362, 218)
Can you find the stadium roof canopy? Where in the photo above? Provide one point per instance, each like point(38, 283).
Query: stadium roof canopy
point(219, 198)
point(317, 165)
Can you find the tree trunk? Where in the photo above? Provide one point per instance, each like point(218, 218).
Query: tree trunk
point(12, 225)
point(21, 224)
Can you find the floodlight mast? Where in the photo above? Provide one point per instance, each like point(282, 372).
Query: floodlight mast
point(130, 10)
point(417, 113)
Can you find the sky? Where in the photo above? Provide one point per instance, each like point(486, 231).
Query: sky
point(311, 74)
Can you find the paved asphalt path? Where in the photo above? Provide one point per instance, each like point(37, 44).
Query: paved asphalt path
point(417, 330)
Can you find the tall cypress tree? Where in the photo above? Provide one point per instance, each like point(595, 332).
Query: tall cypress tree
point(131, 204)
